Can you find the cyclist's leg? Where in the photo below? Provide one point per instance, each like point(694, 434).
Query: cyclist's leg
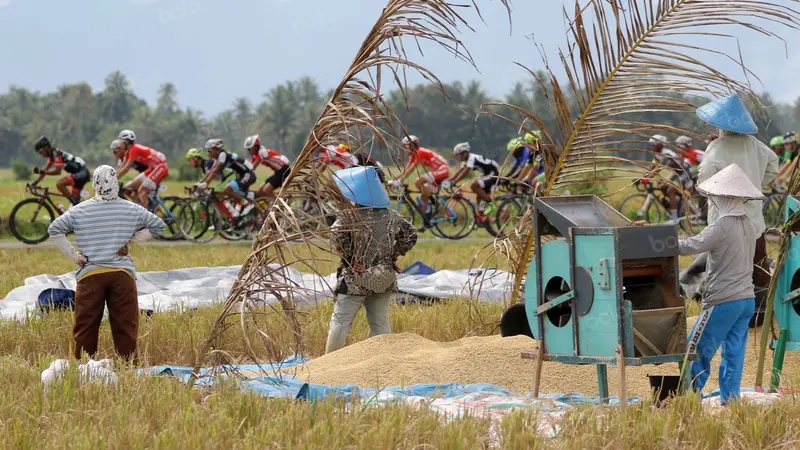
point(64, 186)
point(79, 181)
point(274, 182)
point(153, 176)
point(481, 185)
point(425, 185)
point(235, 191)
point(673, 194)
point(134, 185)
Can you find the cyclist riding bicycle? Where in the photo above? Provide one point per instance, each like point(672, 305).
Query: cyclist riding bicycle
point(682, 176)
point(245, 177)
point(789, 160)
point(116, 148)
point(522, 155)
point(426, 183)
point(155, 161)
point(197, 160)
point(483, 186)
point(533, 174)
point(277, 162)
point(58, 160)
point(776, 144)
point(691, 155)
point(338, 155)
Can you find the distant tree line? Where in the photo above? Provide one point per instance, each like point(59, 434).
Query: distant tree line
point(83, 121)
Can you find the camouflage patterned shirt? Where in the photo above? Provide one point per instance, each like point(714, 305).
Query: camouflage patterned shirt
point(373, 238)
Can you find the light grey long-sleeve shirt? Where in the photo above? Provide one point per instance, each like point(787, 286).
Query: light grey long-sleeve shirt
point(731, 245)
point(102, 228)
point(758, 162)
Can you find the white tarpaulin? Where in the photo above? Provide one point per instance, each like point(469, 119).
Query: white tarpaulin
point(202, 286)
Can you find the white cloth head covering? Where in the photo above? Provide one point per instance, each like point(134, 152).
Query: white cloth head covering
point(105, 183)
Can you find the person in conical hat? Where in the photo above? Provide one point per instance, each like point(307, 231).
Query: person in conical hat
point(737, 145)
point(729, 296)
point(369, 239)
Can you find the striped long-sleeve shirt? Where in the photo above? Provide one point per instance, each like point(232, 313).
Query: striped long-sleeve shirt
point(101, 228)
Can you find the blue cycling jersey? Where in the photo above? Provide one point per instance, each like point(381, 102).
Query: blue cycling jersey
point(523, 157)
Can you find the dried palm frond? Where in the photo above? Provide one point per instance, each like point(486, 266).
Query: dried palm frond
point(295, 234)
point(625, 59)
point(786, 236)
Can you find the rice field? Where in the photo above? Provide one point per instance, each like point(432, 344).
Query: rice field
point(159, 412)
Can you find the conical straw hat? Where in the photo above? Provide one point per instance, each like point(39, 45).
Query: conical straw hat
point(728, 113)
point(730, 182)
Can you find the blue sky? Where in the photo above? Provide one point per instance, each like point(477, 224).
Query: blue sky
point(216, 50)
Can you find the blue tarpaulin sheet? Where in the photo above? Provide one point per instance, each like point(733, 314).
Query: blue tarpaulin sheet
point(288, 386)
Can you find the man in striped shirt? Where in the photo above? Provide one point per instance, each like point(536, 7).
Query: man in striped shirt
point(103, 227)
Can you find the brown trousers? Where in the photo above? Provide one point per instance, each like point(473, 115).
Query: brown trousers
point(761, 276)
point(117, 290)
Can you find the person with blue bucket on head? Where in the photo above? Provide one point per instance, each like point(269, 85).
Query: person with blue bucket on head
point(368, 238)
point(737, 145)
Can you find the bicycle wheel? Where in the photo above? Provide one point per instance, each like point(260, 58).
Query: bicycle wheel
point(199, 221)
point(454, 217)
point(694, 211)
point(167, 209)
point(408, 212)
point(508, 214)
point(30, 219)
point(773, 210)
point(634, 208)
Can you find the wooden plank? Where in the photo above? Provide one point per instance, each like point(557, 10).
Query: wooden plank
point(623, 391)
point(638, 335)
point(537, 373)
point(658, 312)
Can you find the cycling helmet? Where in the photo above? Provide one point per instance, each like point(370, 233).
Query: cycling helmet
point(252, 141)
point(533, 137)
point(658, 139)
point(684, 140)
point(461, 148)
point(127, 135)
point(345, 147)
point(115, 144)
point(514, 144)
point(41, 143)
point(788, 138)
point(214, 144)
point(409, 139)
point(195, 153)
point(777, 141)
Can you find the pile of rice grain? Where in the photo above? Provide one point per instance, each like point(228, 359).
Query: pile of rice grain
point(404, 359)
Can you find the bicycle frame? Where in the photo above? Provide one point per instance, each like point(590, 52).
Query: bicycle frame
point(650, 196)
point(43, 197)
point(437, 199)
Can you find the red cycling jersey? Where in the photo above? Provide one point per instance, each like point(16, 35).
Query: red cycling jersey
point(270, 157)
point(338, 157)
point(693, 156)
point(428, 158)
point(146, 155)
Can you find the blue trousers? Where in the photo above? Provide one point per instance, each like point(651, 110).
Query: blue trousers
point(722, 325)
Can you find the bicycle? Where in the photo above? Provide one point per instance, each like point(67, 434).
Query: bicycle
point(31, 226)
point(652, 205)
point(450, 217)
point(206, 216)
point(773, 210)
point(163, 208)
point(512, 206)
